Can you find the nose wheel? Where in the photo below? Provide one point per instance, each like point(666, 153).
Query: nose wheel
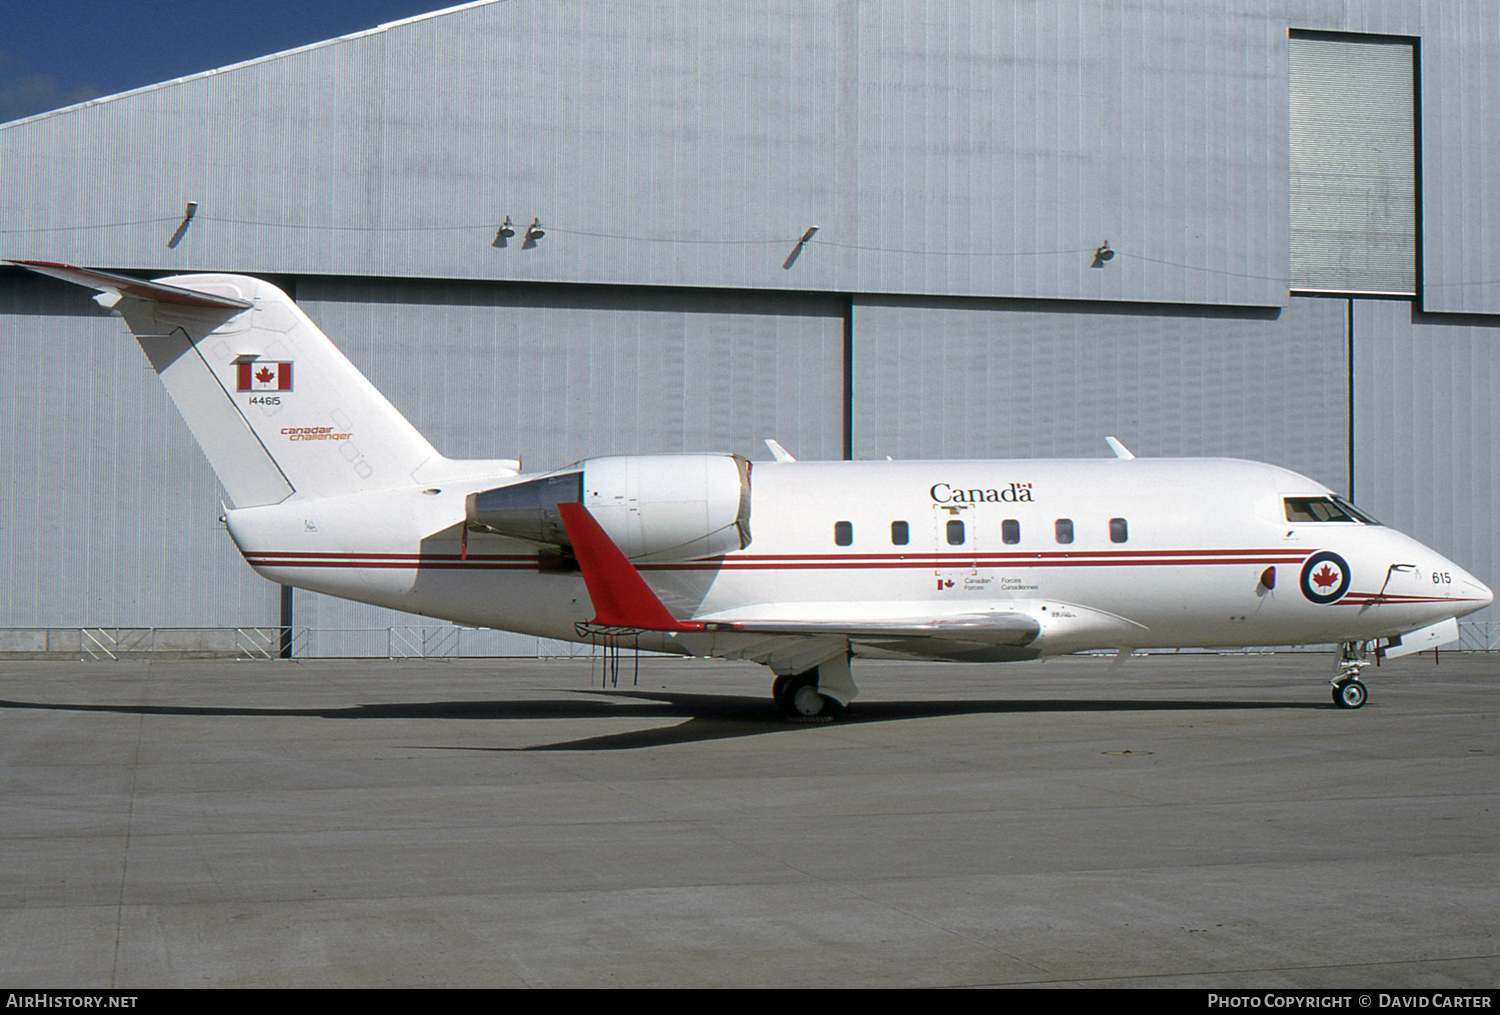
point(1349, 693)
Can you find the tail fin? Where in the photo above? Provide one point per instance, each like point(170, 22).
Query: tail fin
point(275, 406)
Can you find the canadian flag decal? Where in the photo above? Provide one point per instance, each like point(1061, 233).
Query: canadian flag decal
point(261, 376)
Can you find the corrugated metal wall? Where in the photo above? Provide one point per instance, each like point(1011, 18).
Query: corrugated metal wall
point(972, 379)
point(1425, 423)
point(1459, 85)
point(109, 512)
point(954, 154)
point(947, 147)
point(551, 374)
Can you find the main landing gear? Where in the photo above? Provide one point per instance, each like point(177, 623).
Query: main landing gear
point(816, 695)
point(1348, 690)
point(797, 695)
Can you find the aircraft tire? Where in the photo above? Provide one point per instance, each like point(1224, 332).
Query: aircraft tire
point(781, 691)
point(802, 701)
point(810, 706)
point(1349, 694)
point(807, 702)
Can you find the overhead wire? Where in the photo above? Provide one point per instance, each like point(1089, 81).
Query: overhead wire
point(777, 241)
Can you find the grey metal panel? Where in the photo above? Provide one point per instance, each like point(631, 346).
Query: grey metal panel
point(1425, 420)
point(109, 515)
point(1460, 136)
point(974, 379)
point(1353, 165)
point(950, 147)
point(553, 374)
point(1460, 132)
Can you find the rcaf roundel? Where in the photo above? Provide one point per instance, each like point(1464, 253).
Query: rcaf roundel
point(1325, 577)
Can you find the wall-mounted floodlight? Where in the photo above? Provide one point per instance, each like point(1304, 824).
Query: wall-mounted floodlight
point(506, 229)
point(182, 227)
point(791, 258)
point(534, 231)
point(1102, 255)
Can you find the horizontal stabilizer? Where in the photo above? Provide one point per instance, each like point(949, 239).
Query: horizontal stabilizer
point(135, 288)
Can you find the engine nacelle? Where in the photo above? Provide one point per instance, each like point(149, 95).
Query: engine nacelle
point(654, 507)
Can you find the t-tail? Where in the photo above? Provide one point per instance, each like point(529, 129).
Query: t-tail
point(263, 390)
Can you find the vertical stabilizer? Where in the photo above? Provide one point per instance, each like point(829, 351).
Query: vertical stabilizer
point(274, 405)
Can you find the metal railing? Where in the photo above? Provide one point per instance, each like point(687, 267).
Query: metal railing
point(437, 642)
point(1477, 636)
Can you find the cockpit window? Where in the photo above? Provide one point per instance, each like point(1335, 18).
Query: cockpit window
point(1325, 509)
point(1356, 512)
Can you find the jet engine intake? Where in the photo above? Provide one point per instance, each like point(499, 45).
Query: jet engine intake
point(656, 508)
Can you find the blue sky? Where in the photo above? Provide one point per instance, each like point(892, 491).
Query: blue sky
point(54, 55)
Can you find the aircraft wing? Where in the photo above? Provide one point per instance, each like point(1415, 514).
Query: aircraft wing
point(983, 628)
point(623, 600)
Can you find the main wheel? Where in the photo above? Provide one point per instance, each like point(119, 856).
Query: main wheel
point(1349, 694)
point(800, 698)
point(808, 703)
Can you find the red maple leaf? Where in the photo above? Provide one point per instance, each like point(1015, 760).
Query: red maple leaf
point(265, 375)
point(1326, 577)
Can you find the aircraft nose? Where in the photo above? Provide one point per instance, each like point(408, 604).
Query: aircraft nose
point(1472, 593)
point(1484, 591)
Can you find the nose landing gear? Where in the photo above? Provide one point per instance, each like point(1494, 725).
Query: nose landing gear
point(1348, 690)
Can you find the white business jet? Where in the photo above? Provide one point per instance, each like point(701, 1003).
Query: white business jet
point(799, 566)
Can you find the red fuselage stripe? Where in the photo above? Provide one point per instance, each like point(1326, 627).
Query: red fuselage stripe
point(791, 562)
point(836, 562)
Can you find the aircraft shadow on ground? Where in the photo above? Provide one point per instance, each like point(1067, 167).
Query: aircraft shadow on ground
point(703, 717)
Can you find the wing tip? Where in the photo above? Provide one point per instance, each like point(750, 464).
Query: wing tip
point(620, 595)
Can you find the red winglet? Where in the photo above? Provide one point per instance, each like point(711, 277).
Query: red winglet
point(621, 597)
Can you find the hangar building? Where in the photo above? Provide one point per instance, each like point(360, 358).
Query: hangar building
point(1267, 229)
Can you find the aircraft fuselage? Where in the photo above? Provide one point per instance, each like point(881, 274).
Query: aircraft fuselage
point(1105, 553)
point(795, 565)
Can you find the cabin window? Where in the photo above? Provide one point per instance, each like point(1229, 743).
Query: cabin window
point(900, 533)
point(843, 533)
point(1010, 531)
point(1065, 530)
point(1324, 509)
point(955, 532)
point(1119, 532)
